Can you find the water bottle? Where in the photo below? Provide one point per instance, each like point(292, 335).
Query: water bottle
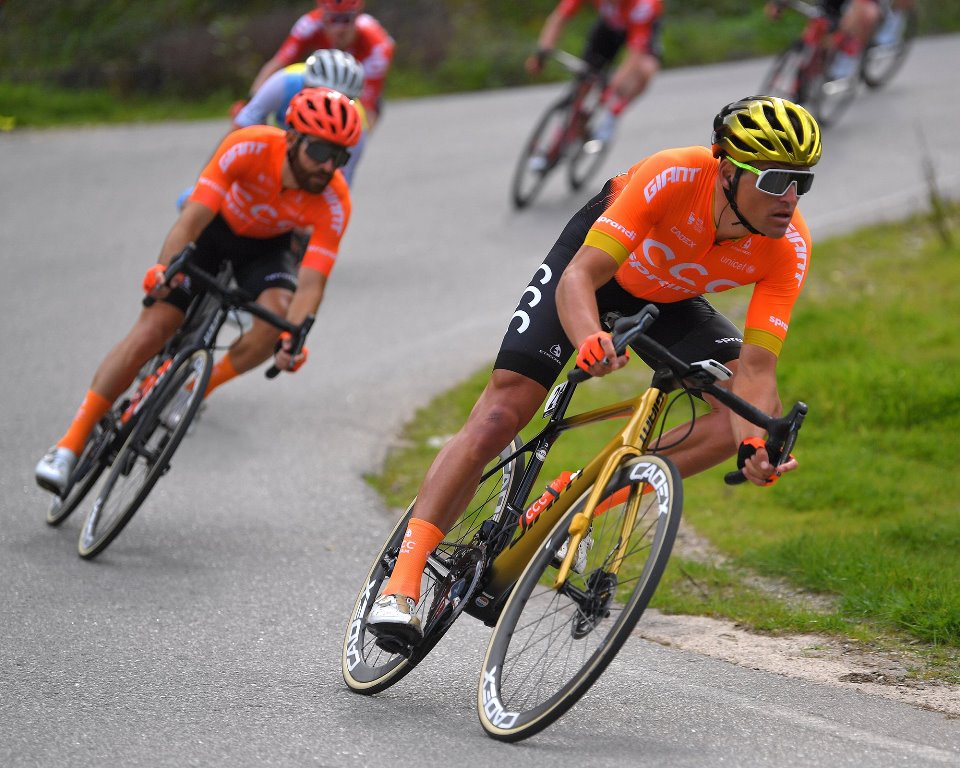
point(550, 494)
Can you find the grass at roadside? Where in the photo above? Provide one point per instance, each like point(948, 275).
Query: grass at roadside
point(872, 521)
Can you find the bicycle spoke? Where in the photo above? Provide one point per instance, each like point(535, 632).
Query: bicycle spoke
point(552, 643)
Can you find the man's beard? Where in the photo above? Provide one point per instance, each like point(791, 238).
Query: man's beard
point(311, 183)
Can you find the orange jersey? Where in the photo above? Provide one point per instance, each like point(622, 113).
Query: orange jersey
point(660, 229)
point(242, 183)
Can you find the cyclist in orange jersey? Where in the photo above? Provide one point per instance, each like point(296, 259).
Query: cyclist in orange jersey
point(261, 183)
point(633, 24)
point(679, 224)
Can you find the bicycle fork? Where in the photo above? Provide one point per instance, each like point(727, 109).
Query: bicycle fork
point(634, 439)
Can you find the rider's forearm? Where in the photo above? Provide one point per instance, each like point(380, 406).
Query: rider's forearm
point(269, 67)
point(309, 294)
point(577, 292)
point(550, 33)
point(755, 382)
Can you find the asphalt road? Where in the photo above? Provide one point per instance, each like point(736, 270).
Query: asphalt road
point(209, 633)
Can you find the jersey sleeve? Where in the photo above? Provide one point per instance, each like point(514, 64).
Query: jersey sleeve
point(376, 63)
point(234, 158)
point(265, 101)
point(768, 314)
point(329, 221)
point(568, 8)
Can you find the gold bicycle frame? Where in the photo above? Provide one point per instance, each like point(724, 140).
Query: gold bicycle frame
point(644, 412)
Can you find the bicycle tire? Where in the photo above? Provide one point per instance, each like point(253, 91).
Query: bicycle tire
point(547, 142)
point(588, 156)
point(145, 454)
point(783, 79)
point(882, 61)
point(549, 645)
point(90, 465)
point(829, 99)
point(366, 667)
point(586, 161)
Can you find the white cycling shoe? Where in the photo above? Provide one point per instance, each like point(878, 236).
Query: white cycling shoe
point(54, 469)
point(392, 618)
point(579, 563)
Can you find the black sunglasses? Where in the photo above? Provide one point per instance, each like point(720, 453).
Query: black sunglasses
point(776, 181)
point(321, 151)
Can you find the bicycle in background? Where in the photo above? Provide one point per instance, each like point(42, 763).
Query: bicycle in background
point(810, 71)
point(132, 446)
point(563, 580)
point(564, 133)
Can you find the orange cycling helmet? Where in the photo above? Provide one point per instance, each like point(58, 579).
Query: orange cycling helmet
point(340, 6)
point(326, 114)
point(766, 128)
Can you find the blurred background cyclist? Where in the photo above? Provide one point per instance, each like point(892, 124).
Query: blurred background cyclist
point(338, 24)
point(631, 23)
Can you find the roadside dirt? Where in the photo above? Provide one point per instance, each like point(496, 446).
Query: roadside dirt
point(818, 658)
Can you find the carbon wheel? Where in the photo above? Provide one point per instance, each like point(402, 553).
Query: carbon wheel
point(368, 668)
point(161, 424)
point(543, 151)
point(551, 644)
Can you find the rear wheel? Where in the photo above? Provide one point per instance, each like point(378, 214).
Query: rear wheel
point(145, 455)
point(544, 149)
point(889, 47)
point(783, 79)
point(367, 667)
point(551, 644)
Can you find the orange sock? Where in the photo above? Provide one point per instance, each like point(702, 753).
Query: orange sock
point(222, 372)
point(419, 541)
point(91, 410)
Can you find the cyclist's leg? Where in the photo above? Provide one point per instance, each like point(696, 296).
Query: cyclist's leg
point(114, 375)
point(534, 351)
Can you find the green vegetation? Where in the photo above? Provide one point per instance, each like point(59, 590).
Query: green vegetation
point(190, 58)
point(871, 523)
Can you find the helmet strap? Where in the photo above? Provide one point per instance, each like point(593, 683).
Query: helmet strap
point(731, 194)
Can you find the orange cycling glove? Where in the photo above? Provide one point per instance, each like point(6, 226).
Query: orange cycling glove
point(591, 350)
point(153, 278)
point(750, 446)
point(300, 359)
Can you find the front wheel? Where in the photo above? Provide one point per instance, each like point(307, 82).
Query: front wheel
point(784, 79)
point(543, 151)
point(161, 424)
point(367, 667)
point(551, 644)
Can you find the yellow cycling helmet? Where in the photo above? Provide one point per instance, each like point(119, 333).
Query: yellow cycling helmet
point(762, 128)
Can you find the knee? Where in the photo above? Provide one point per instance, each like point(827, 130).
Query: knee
point(488, 431)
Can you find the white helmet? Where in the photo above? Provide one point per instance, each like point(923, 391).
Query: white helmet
point(334, 69)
